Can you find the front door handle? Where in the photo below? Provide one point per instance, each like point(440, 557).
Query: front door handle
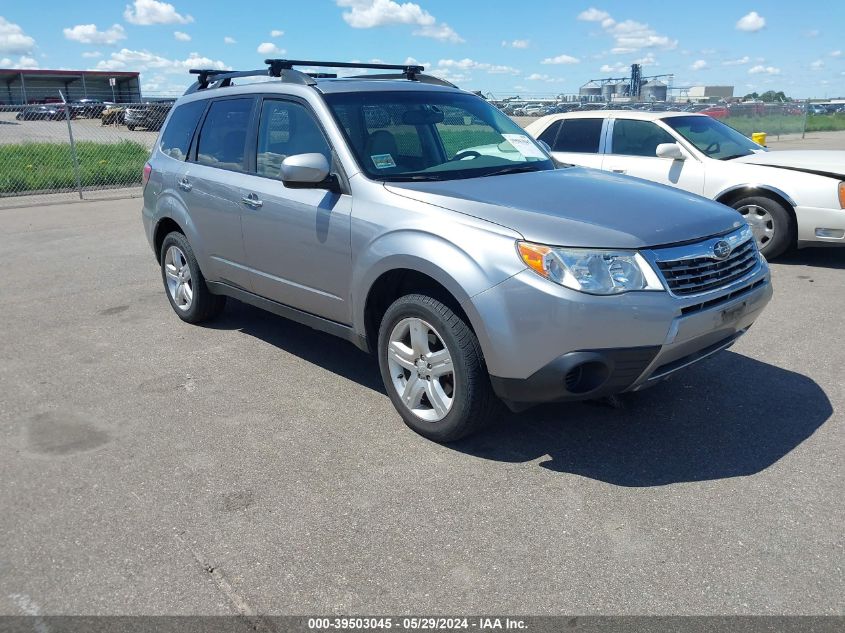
point(185, 184)
point(618, 170)
point(252, 201)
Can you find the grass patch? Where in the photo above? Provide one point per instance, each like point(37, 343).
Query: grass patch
point(773, 125)
point(49, 166)
point(826, 122)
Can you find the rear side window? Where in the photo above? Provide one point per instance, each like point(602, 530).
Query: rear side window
point(638, 138)
point(579, 135)
point(223, 135)
point(177, 135)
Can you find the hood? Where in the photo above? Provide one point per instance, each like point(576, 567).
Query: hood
point(580, 207)
point(819, 161)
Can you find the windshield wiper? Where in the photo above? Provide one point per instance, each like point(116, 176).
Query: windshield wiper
point(732, 156)
point(512, 170)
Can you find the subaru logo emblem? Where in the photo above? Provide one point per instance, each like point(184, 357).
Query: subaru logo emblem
point(721, 249)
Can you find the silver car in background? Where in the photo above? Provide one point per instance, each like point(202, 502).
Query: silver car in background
point(420, 223)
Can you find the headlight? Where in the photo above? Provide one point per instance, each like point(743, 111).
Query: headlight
point(597, 272)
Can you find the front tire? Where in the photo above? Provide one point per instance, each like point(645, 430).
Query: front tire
point(772, 225)
point(433, 369)
point(184, 283)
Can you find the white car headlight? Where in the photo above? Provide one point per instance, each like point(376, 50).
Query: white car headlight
point(598, 272)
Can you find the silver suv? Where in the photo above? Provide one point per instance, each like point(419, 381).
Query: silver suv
point(420, 223)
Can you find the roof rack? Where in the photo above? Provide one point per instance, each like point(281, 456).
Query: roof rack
point(284, 69)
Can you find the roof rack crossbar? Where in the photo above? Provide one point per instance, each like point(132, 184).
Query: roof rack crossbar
point(284, 69)
point(409, 71)
point(220, 78)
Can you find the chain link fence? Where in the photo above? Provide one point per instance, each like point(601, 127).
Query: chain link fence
point(54, 150)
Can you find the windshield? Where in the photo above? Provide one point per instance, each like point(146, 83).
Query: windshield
point(712, 137)
point(433, 135)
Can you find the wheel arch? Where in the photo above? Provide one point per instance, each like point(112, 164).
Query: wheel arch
point(409, 261)
point(734, 193)
point(163, 227)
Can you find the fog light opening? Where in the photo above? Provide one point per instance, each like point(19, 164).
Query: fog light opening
point(836, 234)
point(586, 377)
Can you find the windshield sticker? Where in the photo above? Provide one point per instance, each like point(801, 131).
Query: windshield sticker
point(524, 146)
point(383, 161)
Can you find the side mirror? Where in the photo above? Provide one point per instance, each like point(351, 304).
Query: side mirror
point(671, 150)
point(308, 171)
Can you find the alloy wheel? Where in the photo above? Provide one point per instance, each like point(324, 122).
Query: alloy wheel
point(421, 369)
point(178, 275)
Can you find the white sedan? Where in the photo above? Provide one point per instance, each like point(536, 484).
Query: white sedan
point(789, 198)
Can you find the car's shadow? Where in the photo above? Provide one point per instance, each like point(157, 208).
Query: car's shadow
point(821, 257)
point(727, 416)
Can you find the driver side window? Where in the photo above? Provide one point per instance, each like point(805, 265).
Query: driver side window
point(638, 138)
point(287, 129)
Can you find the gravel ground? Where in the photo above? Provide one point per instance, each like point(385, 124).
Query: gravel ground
point(138, 453)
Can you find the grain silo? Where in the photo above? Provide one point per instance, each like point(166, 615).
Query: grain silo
point(654, 90)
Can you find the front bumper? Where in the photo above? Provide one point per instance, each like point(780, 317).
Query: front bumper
point(561, 345)
point(820, 226)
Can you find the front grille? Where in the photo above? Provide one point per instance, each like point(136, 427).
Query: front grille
point(700, 274)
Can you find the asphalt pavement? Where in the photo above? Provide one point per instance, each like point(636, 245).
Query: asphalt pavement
point(153, 467)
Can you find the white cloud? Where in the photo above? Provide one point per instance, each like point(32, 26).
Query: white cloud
point(816, 65)
point(648, 60)
point(88, 34)
point(698, 64)
point(467, 64)
point(13, 40)
point(268, 48)
point(629, 35)
point(181, 36)
point(751, 23)
point(561, 59)
point(276, 33)
point(812, 33)
point(516, 43)
point(442, 32)
point(368, 14)
point(229, 40)
point(543, 77)
point(836, 53)
point(24, 62)
point(92, 54)
point(593, 15)
point(411, 61)
point(145, 60)
point(763, 70)
point(615, 68)
point(147, 12)
point(737, 62)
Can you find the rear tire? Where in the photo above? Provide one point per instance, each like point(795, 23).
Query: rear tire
point(184, 283)
point(433, 369)
point(774, 227)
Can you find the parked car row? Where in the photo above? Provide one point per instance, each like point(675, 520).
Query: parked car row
point(715, 110)
point(148, 116)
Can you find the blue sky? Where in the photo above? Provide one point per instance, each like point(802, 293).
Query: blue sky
point(502, 47)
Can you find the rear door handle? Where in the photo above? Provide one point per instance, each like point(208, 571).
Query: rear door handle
point(252, 201)
point(185, 184)
point(618, 170)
